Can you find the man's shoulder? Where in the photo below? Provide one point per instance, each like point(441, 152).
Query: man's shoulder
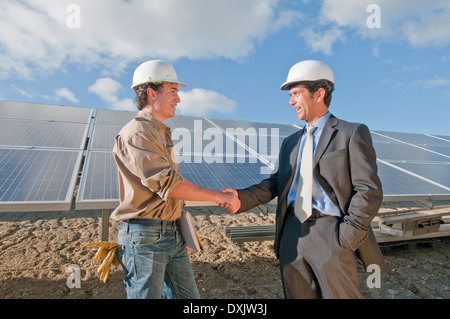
point(346, 125)
point(295, 135)
point(136, 126)
point(293, 138)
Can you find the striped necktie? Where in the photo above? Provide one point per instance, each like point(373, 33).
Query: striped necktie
point(303, 197)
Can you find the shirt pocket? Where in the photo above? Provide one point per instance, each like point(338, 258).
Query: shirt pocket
point(171, 155)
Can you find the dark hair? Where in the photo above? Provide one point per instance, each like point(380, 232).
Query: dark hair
point(141, 93)
point(328, 86)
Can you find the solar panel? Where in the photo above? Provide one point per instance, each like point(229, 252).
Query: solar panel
point(400, 186)
point(437, 173)
point(442, 137)
point(37, 180)
point(262, 138)
point(283, 130)
point(215, 153)
point(103, 137)
point(99, 186)
point(41, 149)
point(45, 112)
point(414, 138)
point(217, 175)
point(409, 143)
point(412, 166)
point(27, 133)
point(113, 117)
point(404, 152)
point(207, 157)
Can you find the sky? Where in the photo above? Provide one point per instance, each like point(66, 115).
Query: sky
point(391, 59)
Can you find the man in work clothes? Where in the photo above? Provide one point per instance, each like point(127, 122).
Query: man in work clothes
point(152, 192)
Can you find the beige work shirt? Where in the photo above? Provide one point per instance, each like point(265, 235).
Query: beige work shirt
point(148, 171)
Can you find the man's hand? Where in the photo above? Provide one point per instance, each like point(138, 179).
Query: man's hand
point(233, 204)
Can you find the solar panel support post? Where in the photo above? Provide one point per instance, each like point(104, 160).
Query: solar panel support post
point(105, 224)
point(263, 209)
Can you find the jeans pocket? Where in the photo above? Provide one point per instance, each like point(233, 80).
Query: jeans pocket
point(144, 237)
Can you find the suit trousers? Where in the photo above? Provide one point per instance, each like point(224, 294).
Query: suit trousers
point(313, 264)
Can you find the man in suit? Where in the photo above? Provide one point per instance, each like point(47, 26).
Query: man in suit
point(319, 256)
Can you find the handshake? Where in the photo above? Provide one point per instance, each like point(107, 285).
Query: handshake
point(229, 200)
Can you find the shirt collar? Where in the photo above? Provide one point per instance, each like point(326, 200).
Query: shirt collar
point(320, 123)
point(152, 120)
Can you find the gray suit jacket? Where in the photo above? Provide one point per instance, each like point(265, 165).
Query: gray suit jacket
point(345, 166)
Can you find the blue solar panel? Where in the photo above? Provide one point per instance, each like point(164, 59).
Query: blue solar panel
point(31, 133)
point(41, 148)
point(411, 146)
point(400, 185)
point(99, 186)
point(438, 173)
point(37, 180)
point(113, 117)
point(45, 112)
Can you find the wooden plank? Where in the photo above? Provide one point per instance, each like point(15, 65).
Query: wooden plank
point(444, 231)
point(402, 218)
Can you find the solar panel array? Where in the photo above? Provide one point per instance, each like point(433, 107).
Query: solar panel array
point(207, 155)
point(41, 149)
point(413, 165)
point(47, 150)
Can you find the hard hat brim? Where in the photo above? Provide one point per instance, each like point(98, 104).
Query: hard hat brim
point(180, 84)
point(287, 85)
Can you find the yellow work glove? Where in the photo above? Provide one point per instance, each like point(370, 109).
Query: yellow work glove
point(107, 254)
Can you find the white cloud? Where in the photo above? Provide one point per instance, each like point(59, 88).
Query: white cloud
point(65, 93)
point(431, 27)
point(323, 42)
point(56, 96)
point(24, 92)
point(38, 35)
point(200, 102)
point(108, 90)
point(437, 81)
point(417, 22)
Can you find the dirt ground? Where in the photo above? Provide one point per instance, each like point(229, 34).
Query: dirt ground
point(36, 250)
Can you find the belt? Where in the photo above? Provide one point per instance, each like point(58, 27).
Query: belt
point(149, 222)
point(315, 214)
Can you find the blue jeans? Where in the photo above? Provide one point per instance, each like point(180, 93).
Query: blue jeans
point(155, 260)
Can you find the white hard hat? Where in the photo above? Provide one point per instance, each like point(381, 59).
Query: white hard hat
point(156, 71)
point(308, 70)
